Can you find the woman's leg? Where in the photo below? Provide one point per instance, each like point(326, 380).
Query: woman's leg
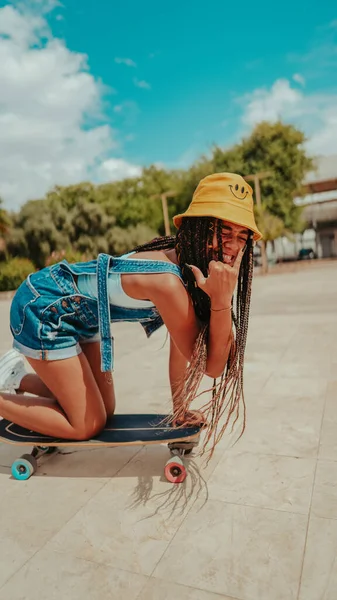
point(79, 412)
point(32, 384)
point(104, 380)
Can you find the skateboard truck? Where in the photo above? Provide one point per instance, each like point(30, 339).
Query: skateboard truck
point(175, 470)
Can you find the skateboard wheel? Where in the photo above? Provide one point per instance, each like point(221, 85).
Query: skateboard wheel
point(24, 467)
point(175, 471)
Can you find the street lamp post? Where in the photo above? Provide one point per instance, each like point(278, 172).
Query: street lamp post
point(163, 198)
point(256, 178)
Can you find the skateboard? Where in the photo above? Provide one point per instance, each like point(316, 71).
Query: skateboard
point(120, 430)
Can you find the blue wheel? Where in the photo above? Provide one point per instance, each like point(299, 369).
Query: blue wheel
point(24, 467)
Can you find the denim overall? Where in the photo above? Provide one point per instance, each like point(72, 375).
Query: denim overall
point(49, 317)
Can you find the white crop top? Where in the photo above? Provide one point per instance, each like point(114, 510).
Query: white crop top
point(87, 285)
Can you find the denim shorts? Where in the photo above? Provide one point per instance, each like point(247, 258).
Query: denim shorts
point(49, 318)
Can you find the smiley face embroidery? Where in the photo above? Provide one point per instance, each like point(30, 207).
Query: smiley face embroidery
point(237, 190)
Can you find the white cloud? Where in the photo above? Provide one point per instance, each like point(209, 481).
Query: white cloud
point(50, 111)
point(315, 113)
point(114, 169)
point(22, 30)
point(141, 84)
point(269, 105)
point(125, 61)
point(299, 78)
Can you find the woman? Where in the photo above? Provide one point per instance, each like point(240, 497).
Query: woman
point(60, 319)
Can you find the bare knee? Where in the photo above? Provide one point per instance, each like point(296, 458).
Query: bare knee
point(87, 431)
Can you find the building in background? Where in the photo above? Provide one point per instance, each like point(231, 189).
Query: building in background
point(321, 205)
point(320, 212)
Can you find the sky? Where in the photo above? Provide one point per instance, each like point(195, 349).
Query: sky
point(95, 90)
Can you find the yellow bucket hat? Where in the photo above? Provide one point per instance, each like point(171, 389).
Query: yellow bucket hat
point(225, 196)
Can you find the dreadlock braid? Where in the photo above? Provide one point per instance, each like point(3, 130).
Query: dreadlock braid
point(194, 245)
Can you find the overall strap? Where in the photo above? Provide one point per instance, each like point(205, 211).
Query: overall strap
point(106, 344)
point(141, 265)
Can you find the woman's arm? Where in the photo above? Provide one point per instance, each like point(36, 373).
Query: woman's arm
point(219, 286)
point(177, 368)
point(219, 342)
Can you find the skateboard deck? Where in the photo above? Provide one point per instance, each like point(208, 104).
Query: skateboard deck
point(120, 430)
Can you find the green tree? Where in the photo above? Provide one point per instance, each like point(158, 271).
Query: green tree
point(270, 226)
point(137, 199)
point(89, 226)
point(5, 220)
point(16, 243)
point(45, 227)
point(35, 234)
point(69, 196)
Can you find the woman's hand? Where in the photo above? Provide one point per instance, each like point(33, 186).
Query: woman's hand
point(192, 418)
point(221, 281)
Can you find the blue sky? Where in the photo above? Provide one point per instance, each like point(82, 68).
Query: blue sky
point(162, 83)
point(198, 58)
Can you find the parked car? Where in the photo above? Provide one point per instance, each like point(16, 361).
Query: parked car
point(306, 254)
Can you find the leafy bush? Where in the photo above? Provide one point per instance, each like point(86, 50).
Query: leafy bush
point(13, 272)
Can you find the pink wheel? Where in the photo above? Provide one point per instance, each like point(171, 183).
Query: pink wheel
point(175, 471)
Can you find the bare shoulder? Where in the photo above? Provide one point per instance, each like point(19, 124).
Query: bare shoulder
point(152, 286)
point(165, 283)
point(151, 255)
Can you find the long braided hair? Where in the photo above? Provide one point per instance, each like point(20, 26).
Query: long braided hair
point(194, 245)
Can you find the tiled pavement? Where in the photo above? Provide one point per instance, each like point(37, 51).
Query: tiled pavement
point(258, 523)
